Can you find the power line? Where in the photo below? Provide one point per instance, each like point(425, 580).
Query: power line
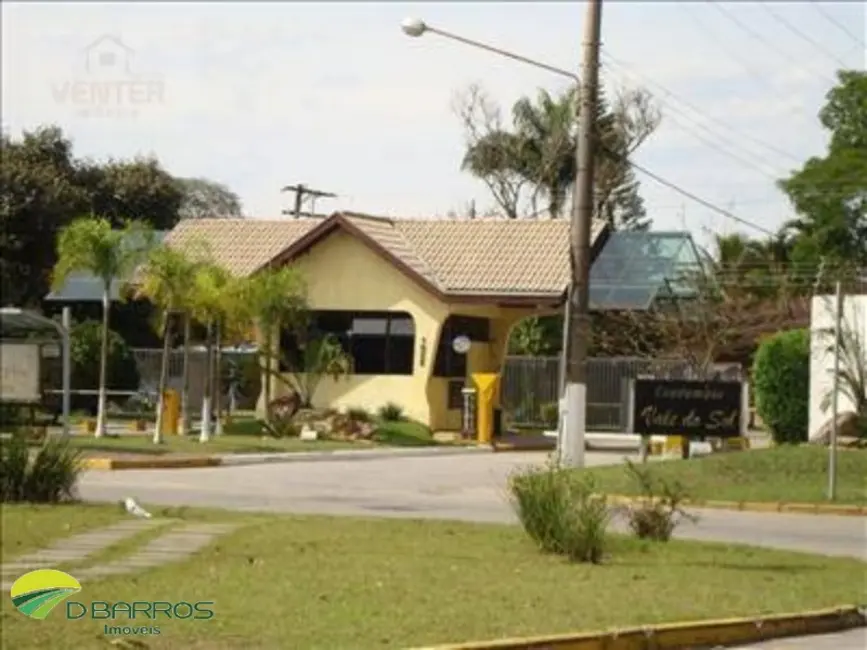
point(837, 23)
point(690, 195)
point(701, 112)
point(797, 32)
point(762, 39)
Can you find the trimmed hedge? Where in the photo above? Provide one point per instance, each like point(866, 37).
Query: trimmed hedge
point(781, 381)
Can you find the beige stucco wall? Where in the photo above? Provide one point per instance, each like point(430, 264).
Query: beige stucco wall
point(343, 273)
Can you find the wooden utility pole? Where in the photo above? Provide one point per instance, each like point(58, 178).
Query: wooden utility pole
point(575, 394)
point(302, 191)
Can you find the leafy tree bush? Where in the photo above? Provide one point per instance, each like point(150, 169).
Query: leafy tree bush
point(49, 476)
point(122, 371)
point(781, 380)
point(391, 412)
point(560, 512)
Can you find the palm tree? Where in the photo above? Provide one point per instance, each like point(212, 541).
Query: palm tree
point(211, 303)
point(90, 244)
point(273, 298)
point(165, 282)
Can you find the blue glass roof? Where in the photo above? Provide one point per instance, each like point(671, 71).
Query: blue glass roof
point(81, 286)
point(636, 269)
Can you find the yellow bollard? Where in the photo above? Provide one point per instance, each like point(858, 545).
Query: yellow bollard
point(486, 385)
point(674, 444)
point(171, 412)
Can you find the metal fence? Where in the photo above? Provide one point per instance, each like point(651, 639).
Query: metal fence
point(529, 391)
point(149, 362)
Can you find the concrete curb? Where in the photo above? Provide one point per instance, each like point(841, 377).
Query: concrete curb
point(755, 506)
point(683, 636)
point(229, 460)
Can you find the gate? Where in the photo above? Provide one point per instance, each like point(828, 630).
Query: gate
point(529, 392)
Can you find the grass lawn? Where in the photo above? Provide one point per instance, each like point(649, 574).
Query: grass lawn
point(333, 583)
point(243, 436)
point(790, 474)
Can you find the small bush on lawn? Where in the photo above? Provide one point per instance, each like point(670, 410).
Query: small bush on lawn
point(358, 414)
point(662, 511)
point(282, 410)
point(49, 476)
point(391, 412)
point(560, 512)
point(781, 379)
point(550, 414)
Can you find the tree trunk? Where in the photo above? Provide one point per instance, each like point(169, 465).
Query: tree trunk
point(164, 378)
point(205, 431)
point(266, 380)
point(217, 375)
point(185, 381)
point(103, 363)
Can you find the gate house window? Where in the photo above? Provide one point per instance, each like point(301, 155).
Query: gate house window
point(449, 363)
point(381, 343)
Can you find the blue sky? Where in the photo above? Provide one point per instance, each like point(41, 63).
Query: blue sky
point(334, 95)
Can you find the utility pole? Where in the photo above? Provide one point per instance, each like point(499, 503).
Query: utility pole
point(575, 393)
point(302, 191)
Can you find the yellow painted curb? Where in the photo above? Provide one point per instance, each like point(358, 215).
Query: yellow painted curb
point(681, 636)
point(755, 506)
point(151, 463)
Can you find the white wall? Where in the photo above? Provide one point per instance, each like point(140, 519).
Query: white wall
point(821, 363)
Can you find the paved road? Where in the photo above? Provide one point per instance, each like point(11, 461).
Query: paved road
point(469, 488)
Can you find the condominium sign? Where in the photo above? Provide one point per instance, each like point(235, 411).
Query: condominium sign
point(695, 409)
point(20, 372)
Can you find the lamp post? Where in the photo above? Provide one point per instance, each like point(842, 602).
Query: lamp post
point(577, 326)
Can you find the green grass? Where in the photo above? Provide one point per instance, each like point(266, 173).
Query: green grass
point(27, 528)
point(333, 583)
point(789, 474)
point(190, 445)
point(245, 436)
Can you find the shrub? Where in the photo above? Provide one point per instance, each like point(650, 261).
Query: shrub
point(781, 380)
point(49, 476)
point(282, 410)
point(657, 517)
point(122, 373)
point(550, 414)
point(560, 513)
point(391, 412)
point(358, 414)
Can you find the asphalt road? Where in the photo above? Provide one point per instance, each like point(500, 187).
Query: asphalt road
point(469, 488)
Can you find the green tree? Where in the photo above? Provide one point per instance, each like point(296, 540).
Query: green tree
point(138, 190)
point(90, 244)
point(206, 199)
point(781, 379)
point(274, 298)
point(829, 193)
point(165, 281)
point(538, 152)
point(320, 357)
point(40, 195)
point(213, 303)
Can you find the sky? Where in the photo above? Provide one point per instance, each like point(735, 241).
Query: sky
point(335, 96)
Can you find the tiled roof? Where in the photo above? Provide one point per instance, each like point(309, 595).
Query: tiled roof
point(481, 256)
point(241, 245)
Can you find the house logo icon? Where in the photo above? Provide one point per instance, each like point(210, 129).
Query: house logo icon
point(108, 55)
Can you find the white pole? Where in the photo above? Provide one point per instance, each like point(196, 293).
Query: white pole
point(66, 321)
point(832, 446)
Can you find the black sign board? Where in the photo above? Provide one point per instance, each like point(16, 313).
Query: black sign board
point(695, 409)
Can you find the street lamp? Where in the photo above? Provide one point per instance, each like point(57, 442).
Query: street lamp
point(576, 330)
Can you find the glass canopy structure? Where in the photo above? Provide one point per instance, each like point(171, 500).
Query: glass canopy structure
point(637, 270)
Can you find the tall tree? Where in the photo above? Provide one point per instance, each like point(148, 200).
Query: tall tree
point(165, 282)
point(40, 195)
point(538, 152)
point(206, 199)
point(829, 193)
point(274, 299)
point(90, 244)
point(138, 189)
